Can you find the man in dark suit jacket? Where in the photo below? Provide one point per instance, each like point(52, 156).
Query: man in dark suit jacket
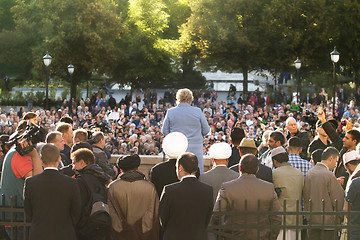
point(52, 200)
point(186, 207)
point(164, 173)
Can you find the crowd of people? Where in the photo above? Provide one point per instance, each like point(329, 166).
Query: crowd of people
point(290, 146)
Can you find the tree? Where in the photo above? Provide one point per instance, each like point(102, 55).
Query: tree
point(78, 32)
point(228, 34)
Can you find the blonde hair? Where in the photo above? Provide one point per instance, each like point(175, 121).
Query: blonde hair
point(184, 95)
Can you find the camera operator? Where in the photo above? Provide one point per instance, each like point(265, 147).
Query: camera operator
point(293, 131)
point(101, 157)
point(16, 169)
point(348, 143)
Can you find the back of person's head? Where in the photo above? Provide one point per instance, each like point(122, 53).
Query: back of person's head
point(83, 154)
point(63, 127)
point(294, 144)
point(281, 157)
point(49, 154)
point(184, 96)
point(278, 136)
point(249, 164)
point(97, 137)
point(51, 136)
point(329, 152)
point(79, 145)
point(355, 134)
point(236, 135)
point(316, 155)
point(188, 161)
point(66, 119)
point(81, 134)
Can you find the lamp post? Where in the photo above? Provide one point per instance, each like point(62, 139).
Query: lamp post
point(335, 56)
point(297, 63)
point(47, 61)
point(71, 69)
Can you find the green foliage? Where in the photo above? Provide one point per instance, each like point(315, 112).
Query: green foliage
point(152, 43)
point(65, 93)
point(39, 99)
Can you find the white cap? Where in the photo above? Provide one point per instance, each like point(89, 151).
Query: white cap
point(174, 144)
point(220, 151)
point(277, 151)
point(350, 156)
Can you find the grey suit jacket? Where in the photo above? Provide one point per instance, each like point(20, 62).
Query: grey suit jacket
point(232, 196)
point(188, 120)
point(216, 177)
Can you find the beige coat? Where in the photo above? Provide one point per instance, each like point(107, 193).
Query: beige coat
point(290, 181)
point(232, 196)
point(134, 205)
point(321, 184)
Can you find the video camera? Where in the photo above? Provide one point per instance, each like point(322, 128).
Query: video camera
point(32, 133)
point(102, 126)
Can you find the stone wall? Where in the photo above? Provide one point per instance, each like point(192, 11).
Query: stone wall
point(147, 162)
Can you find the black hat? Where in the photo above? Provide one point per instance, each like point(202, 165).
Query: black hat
point(128, 162)
point(77, 146)
point(334, 123)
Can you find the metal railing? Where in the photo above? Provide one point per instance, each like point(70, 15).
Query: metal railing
point(13, 219)
point(231, 224)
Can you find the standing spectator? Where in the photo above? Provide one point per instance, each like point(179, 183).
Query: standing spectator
point(51, 200)
point(190, 121)
point(219, 153)
point(248, 188)
point(181, 217)
point(289, 182)
point(321, 141)
point(293, 130)
point(276, 139)
point(164, 173)
point(101, 158)
point(112, 102)
point(90, 177)
point(236, 135)
point(68, 135)
point(322, 187)
point(133, 203)
point(247, 146)
point(294, 149)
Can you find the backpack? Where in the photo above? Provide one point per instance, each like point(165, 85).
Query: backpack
point(98, 224)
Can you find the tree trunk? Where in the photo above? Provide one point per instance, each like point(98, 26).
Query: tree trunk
point(245, 82)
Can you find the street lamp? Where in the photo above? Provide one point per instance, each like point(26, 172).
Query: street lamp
point(298, 66)
point(71, 69)
point(335, 56)
point(47, 61)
